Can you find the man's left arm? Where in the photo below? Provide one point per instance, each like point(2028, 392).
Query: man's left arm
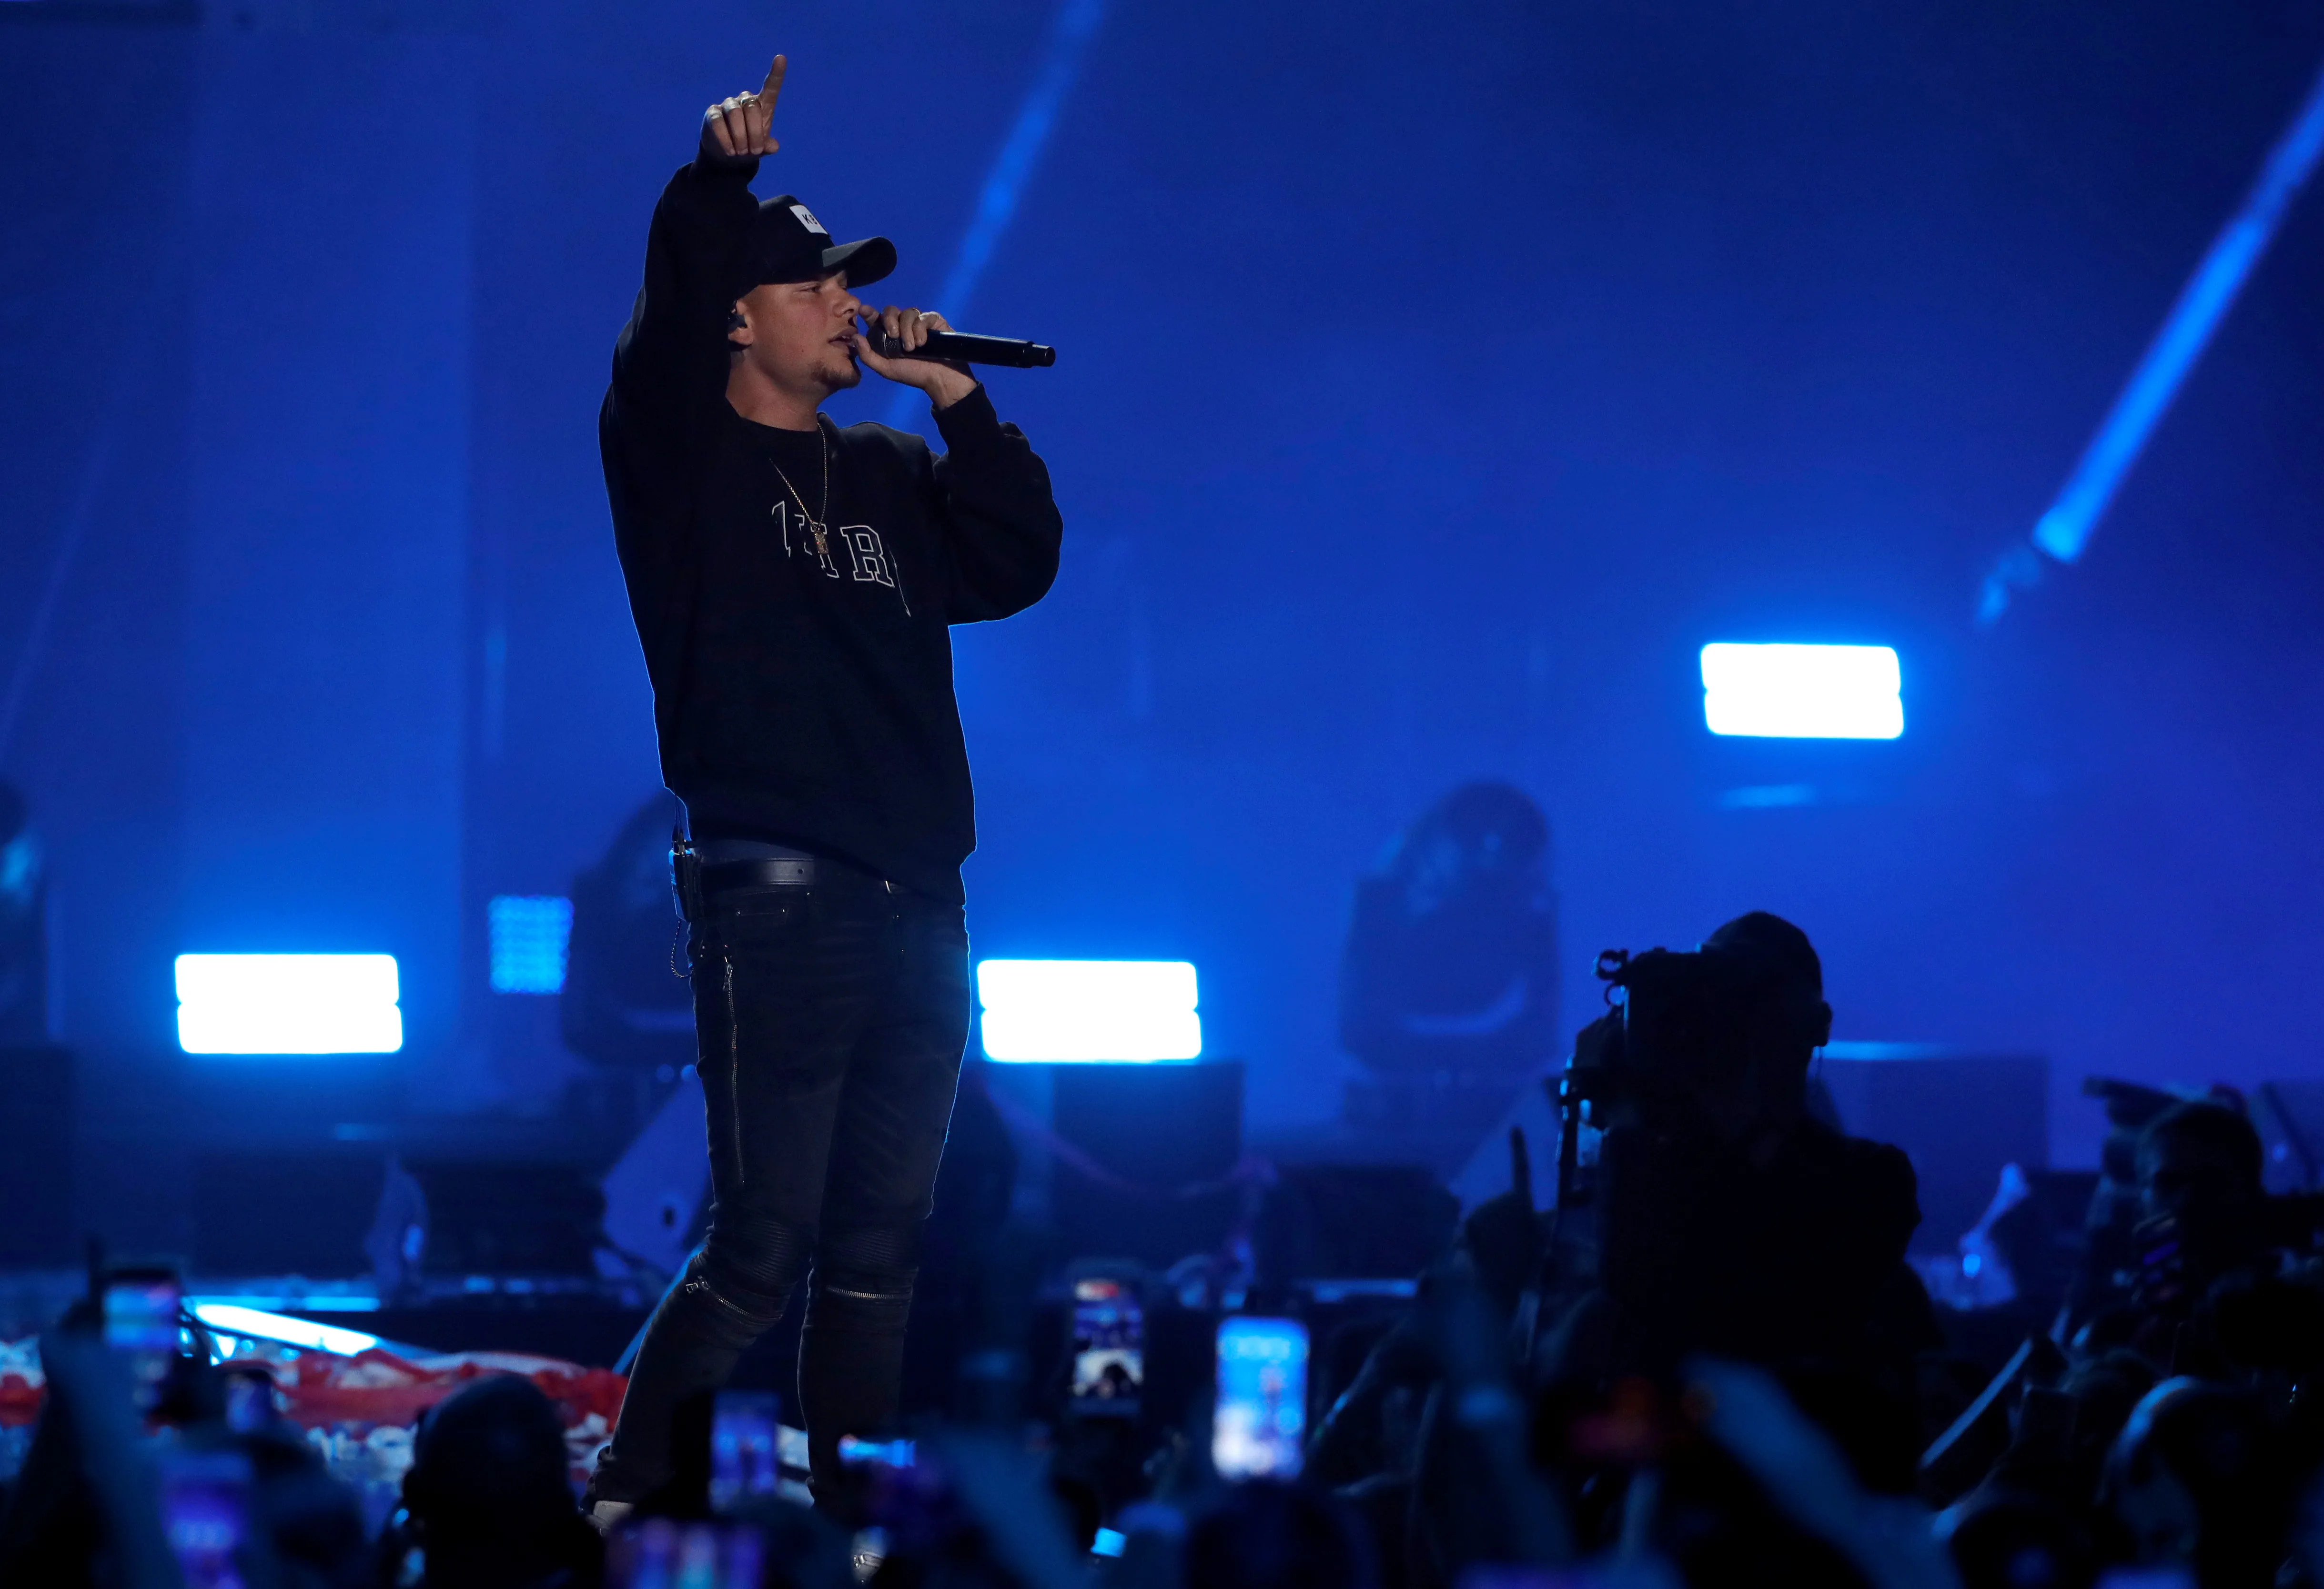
point(1001, 526)
point(999, 518)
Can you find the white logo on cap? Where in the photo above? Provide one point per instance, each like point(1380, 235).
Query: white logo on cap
point(807, 219)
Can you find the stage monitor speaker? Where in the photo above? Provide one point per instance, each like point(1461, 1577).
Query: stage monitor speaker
point(1959, 1114)
point(266, 1212)
point(1353, 1222)
point(493, 1217)
point(36, 1157)
point(1152, 1131)
point(270, 1213)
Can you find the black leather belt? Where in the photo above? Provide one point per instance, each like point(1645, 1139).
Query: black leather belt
point(729, 877)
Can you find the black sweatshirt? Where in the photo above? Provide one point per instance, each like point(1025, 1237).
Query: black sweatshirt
point(800, 698)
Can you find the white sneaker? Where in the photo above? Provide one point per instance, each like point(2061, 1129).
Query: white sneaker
point(608, 1515)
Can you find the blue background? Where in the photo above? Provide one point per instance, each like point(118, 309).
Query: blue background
point(1434, 382)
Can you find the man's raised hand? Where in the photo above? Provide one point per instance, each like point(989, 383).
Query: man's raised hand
point(737, 125)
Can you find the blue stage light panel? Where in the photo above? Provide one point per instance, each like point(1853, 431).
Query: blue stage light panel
point(530, 932)
point(1802, 692)
point(1122, 1012)
point(289, 1003)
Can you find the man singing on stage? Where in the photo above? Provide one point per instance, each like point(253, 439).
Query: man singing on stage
point(792, 582)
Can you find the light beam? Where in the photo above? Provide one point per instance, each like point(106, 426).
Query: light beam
point(996, 204)
point(2060, 534)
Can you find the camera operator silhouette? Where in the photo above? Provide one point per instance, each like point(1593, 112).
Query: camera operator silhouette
point(1728, 1220)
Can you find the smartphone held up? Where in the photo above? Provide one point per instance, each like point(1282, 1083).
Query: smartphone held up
point(1109, 1366)
point(1258, 1422)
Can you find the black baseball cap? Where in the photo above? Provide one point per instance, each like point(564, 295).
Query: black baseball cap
point(787, 243)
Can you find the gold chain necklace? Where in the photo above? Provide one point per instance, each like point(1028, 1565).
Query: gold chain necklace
point(815, 525)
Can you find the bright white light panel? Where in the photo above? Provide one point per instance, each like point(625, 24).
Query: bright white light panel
point(289, 1003)
point(1802, 692)
point(529, 935)
point(1119, 1011)
point(255, 1323)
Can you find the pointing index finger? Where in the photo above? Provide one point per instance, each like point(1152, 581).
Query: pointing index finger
point(773, 85)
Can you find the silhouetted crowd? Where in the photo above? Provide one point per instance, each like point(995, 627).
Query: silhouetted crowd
point(1711, 1364)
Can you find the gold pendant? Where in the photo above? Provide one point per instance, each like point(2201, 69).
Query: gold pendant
point(822, 538)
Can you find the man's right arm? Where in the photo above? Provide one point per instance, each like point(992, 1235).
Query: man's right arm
point(671, 359)
point(669, 364)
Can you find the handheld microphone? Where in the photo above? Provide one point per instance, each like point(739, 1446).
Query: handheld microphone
point(969, 350)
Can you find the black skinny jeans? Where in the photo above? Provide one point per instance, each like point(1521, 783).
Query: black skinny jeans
point(829, 1022)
